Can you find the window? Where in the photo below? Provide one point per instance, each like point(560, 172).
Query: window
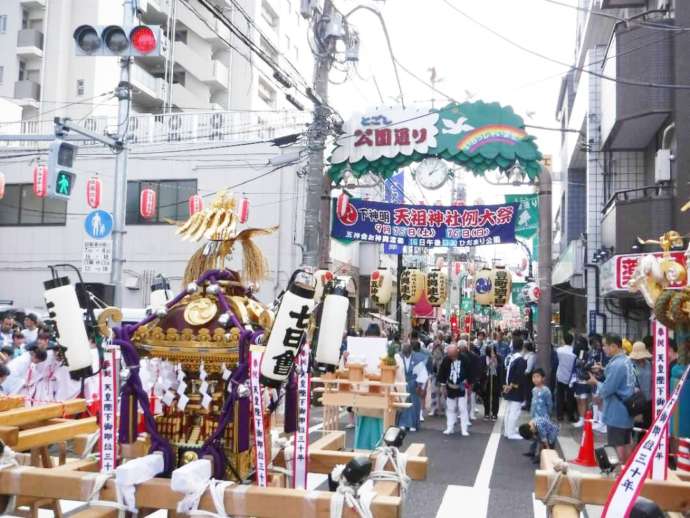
point(267, 93)
point(21, 207)
point(3, 23)
point(172, 196)
point(80, 87)
point(181, 36)
point(22, 70)
point(25, 19)
point(269, 15)
point(268, 48)
point(2, 74)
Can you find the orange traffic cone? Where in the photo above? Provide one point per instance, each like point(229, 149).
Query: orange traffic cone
point(585, 456)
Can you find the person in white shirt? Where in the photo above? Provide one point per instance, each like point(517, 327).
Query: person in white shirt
point(30, 330)
point(565, 402)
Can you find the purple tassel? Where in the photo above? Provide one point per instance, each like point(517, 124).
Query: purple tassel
point(291, 402)
point(243, 424)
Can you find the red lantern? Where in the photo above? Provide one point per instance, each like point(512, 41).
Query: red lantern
point(343, 203)
point(2, 186)
point(195, 204)
point(147, 203)
point(243, 210)
point(93, 192)
point(40, 180)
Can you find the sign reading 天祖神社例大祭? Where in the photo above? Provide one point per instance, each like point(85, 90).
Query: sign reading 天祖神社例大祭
point(424, 225)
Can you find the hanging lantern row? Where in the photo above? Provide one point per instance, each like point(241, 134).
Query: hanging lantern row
point(381, 286)
point(40, 180)
point(243, 210)
point(147, 203)
point(2, 186)
point(436, 287)
point(195, 204)
point(93, 192)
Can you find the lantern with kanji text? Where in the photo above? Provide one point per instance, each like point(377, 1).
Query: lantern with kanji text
point(333, 322)
point(147, 203)
point(322, 277)
point(503, 283)
point(195, 204)
point(381, 286)
point(484, 287)
point(40, 180)
point(436, 287)
point(243, 210)
point(93, 192)
point(342, 204)
point(412, 285)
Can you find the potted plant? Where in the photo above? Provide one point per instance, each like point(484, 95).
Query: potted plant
point(388, 365)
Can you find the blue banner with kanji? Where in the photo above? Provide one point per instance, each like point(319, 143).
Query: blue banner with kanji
point(394, 193)
point(425, 225)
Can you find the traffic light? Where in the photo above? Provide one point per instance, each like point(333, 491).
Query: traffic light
point(61, 178)
point(114, 40)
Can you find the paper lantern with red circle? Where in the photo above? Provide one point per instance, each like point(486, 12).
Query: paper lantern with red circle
point(93, 192)
point(147, 203)
point(342, 204)
point(323, 277)
point(40, 180)
point(381, 286)
point(195, 204)
point(243, 210)
point(2, 186)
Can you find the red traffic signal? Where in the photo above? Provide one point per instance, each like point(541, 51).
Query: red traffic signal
point(114, 40)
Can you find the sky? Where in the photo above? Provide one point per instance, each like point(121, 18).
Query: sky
point(469, 60)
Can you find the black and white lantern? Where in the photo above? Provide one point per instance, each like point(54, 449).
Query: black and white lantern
point(333, 322)
point(63, 308)
point(289, 327)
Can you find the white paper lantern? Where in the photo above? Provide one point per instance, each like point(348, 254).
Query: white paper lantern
point(503, 283)
point(289, 327)
point(381, 286)
point(333, 324)
point(484, 287)
point(63, 308)
point(322, 277)
point(412, 285)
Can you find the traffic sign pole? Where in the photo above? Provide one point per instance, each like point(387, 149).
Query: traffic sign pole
point(122, 92)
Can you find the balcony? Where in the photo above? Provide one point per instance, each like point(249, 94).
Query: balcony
point(183, 98)
point(30, 43)
point(154, 11)
point(644, 212)
point(33, 4)
point(220, 77)
point(27, 92)
point(193, 63)
point(149, 91)
point(615, 4)
point(632, 115)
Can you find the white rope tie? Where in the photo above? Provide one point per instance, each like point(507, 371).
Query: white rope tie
point(190, 503)
point(552, 497)
point(360, 500)
point(398, 460)
point(99, 482)
point(91, 442)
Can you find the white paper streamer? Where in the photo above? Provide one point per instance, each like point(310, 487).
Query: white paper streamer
point(108, 380)
point(301, 443)
point(257, 410)
point(659, 396)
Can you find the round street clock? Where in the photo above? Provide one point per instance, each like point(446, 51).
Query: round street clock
point(431, 173)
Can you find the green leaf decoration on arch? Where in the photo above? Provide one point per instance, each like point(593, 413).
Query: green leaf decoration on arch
point(477, 136)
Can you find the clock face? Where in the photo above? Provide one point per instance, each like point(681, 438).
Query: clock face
point(431, 173)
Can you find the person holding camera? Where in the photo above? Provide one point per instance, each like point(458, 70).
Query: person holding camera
point(616, 389)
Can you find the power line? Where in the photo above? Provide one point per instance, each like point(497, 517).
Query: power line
point(629, 82)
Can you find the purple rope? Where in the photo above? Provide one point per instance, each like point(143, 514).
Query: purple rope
point(290, 425)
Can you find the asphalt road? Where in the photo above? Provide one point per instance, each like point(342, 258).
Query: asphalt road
point(481, 476)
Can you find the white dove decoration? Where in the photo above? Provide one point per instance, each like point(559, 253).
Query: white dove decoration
point(456, 127)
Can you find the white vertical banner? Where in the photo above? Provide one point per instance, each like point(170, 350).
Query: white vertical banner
point(632, 477)
point(300, 455)
point(108, 378)
point(260, 457)
point(660, 396)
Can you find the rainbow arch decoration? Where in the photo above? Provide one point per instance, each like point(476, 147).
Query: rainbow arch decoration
point(478, 136)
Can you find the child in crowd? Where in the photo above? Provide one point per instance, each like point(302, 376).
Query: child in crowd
point(541, 429)
point(542, 402)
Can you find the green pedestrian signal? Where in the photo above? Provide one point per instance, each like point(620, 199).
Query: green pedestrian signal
point(64, 183)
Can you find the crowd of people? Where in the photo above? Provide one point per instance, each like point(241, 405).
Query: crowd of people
point(30, 365)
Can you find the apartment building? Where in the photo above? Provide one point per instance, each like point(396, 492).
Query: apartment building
point(206, 67)
point(624, 112)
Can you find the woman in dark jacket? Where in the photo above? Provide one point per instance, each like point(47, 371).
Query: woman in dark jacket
point(492, 379)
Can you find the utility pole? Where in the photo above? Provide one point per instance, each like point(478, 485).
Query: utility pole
point(543, 340)
point(318, 212)
point(123, 94)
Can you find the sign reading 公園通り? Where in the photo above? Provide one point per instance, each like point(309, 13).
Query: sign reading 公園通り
point(426, 225)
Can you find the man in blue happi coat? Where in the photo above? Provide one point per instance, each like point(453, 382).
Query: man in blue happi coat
point(414, 367)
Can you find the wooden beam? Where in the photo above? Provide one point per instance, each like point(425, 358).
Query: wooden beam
point(46, 435)
point(9, 435)
point(156, 494)
point(25, 416)
point(10, 402)
point(670, 495)
point(330, 441)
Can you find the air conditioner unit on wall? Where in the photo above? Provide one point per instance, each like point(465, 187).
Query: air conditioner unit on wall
point(662, 166)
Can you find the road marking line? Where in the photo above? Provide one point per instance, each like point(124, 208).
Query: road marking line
point(486, 467)
point(539, 508)
point(474, 502)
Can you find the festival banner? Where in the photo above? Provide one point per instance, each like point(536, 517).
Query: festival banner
point(426, 225)
point(260, 454)
point(629, 483)
point(301, 442)
point(660, 367)
point(394, 193)
point(527, 224)
point(108, 387)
